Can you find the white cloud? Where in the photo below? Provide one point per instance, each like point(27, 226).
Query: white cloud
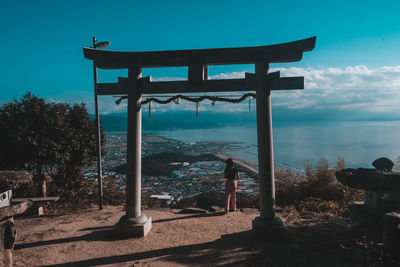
point(231, 75)
point(166, 78)
point(351, 88)
point(354, 87)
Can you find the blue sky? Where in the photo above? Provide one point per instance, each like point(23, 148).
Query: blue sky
point(355, 65)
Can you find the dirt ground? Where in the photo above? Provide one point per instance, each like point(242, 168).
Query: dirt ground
point(204, 239)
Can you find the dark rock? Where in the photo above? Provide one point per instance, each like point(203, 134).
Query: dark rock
point(383, 164)
point(370, 179)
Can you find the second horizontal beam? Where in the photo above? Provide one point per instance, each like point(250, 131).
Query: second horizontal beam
point(207, 86)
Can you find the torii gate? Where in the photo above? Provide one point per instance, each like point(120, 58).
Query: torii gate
point(134, 222)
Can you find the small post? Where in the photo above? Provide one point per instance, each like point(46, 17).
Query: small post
point(267, 224)
point(98, 139)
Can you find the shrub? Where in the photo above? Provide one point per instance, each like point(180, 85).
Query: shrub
point(111, 195)
point(315, 189)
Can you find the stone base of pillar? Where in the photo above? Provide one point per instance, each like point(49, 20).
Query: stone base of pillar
point(134, 227)
point(268, 228)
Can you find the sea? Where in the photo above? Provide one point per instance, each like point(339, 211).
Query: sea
point(296, 143)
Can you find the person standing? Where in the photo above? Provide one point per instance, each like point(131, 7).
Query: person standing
point(231, 176)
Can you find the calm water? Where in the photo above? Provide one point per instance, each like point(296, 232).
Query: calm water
point(358, 142)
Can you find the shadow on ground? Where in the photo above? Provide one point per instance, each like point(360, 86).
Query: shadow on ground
point(102, 233)
point(329, 243)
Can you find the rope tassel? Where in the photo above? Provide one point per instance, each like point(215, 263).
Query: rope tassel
point(197, 109)
point(149, 110)
point(249, 104)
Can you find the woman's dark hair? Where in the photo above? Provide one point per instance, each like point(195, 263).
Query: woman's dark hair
point(229, 163)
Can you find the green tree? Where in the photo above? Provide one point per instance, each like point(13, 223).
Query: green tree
point(53, 138)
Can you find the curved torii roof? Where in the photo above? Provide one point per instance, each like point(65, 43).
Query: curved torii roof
point(284, 52)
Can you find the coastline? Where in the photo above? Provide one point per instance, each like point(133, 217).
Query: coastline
point(192, 174)
point(243, 163)
point(358, 142)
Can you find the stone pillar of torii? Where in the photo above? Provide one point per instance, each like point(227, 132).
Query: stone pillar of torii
point(134, 222)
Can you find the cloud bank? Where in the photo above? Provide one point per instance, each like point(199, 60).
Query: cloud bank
point(354, 91)
point(360, 88)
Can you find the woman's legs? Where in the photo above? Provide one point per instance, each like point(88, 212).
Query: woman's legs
point(227, 195)
point(230, 194)
point(233, 194)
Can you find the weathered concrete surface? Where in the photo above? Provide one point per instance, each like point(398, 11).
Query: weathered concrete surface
point(130, 227)
point(370, 179)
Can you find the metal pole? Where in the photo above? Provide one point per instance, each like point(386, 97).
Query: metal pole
point(96, 107)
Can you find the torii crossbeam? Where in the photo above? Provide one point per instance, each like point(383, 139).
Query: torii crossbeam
point(135, 223)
